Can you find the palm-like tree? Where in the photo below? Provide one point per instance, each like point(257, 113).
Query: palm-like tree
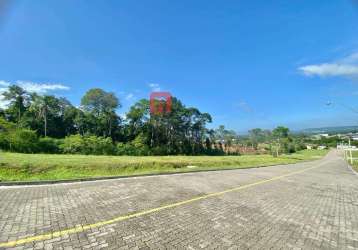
point(41, 106)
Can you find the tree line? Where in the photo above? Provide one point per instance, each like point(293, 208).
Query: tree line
point(46, 123)
point(33, 123)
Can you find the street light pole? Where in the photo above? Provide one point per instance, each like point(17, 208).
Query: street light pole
point(349, 139)
point(350, 151)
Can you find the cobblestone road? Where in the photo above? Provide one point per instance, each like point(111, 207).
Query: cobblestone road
point(313, 207)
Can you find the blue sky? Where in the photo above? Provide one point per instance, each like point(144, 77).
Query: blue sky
point(248, 63)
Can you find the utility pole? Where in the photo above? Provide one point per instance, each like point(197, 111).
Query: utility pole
point(350, 151)
point(354, 110)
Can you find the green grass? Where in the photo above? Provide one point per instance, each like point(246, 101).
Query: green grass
point(21, 167)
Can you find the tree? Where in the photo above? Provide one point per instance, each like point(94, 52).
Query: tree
point(137, 118)
point(256, 136)
point(51, 111)
point(19, 101)
point(225, 137)
point(92, 128)
point(98, 101)
point(70, 113)
point(181, 131)
point(100, 107)
point(280, 133)
point(40, 106)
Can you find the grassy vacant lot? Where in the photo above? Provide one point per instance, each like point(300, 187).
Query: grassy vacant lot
point(15, 167)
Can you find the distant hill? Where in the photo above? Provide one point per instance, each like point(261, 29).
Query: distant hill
point(330, 130)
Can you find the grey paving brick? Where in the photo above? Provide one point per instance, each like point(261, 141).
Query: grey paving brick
point(315, 209)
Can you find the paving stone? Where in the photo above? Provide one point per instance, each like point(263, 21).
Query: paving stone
point(315, 209)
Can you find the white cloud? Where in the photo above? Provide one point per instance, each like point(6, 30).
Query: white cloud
point(351, 59)
point(41, 87)
point(4, 83)
point(330, 69)
point(3, 103)
point(154, 86)
point(129, 96)
point(35, 87)
point(123, 116)
point(345, 67)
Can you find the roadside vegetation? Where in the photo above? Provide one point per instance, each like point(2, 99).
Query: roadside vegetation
point(33, 123)
point(21, 167)
point(44, 137)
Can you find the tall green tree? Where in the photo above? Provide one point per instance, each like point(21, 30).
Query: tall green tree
point(19, 101)
point(100, 108)
point(50, 110)
point(51, 116)
point(137, 118)
point(280, 134)
point(181, 131)
point(40, 106)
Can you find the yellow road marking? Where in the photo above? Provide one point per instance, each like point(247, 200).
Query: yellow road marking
point(83, 228)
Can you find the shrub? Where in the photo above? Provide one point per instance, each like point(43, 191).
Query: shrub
point(98, 145)
point(130, 149)
point(290, 148)
point(125, 149)
point(4, 141)
point(77, 144)
point(72, 144)
point(5, 129)
point(135, 147)
point(140, 146)
point(159, 150)
point(300, 146)
point(49, 145)
point(23, 141)
point(6, 126)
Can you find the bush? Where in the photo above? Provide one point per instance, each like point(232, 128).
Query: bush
point(72, 144)
point(5, 129)
point(98, 145)
point(23, 141)
point(130, 149)
point(4, 141)
point(135, 147)
point(140, 146)
point(300, 146)
point(290, 148)
point(125, 149)
point(159, 150)
point(49, 145)
point(77, 144)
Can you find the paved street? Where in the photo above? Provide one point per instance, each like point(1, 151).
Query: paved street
point(312, 205)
